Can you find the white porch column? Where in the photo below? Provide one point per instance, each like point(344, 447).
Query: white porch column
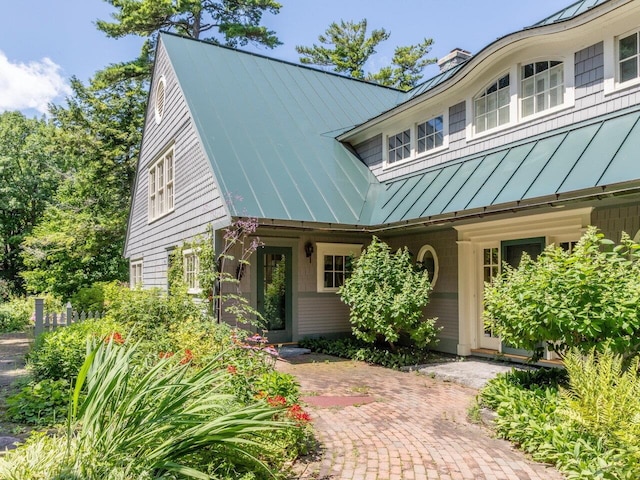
point(467, 305)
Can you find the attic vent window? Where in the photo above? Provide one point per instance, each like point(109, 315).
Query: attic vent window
point(160, 99)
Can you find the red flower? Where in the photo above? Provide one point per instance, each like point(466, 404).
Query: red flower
point(232, 369)
point(114, 337)
point(295, 412)
point(188, 356)
point(165, 354)
point(277, 401)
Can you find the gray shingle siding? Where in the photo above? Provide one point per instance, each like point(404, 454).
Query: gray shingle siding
point(589, 69)
point(370, 151)
point(197, 202)
point(457, 118)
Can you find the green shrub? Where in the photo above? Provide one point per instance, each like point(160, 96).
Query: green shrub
point(89, 299)
point(278, 384)
point(355, 349)
point(40, 403)
point(15, 315)
point(60, 353)
point(587, 298)
point(540, 421)
point(603, 396)
point(387, 295)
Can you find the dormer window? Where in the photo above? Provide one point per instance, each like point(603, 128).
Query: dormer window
point(399, 146)
point(628, 57)
point(421, 139)
point(491, 107)
point(542, 87)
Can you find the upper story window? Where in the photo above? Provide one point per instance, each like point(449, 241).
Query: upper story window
point(628, 57)
point(399, 146)
point(430, 134)
point(422, 138)
point(161, 185)
point(542, 86)
point(159, 100)
point(491, 107)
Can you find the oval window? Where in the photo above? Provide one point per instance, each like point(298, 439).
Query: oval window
point(428, 260)
point(160, 99)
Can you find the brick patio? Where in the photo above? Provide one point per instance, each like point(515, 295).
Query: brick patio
point(399, 426)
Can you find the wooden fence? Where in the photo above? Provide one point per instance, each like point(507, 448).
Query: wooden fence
point(49, 321)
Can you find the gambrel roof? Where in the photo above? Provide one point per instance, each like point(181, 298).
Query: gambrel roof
point(269, 129)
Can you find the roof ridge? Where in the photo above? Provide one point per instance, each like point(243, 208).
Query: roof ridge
point(279, 60)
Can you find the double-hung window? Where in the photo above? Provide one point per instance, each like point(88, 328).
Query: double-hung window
point(491, 106)
point(542, 86)
point(161, 185)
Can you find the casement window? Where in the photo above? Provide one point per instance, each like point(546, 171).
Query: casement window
point(399, 146)
point(541, 86)
point(628, 58)
point(430, 134)
point(422, 138)
point(191, 265)
point(135, 273)
point(334, 264)
point(492, 105)
point(161, 185)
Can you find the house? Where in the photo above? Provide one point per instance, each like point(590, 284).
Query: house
point(520, 145)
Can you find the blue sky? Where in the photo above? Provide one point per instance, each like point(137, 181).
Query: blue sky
point(45, 42)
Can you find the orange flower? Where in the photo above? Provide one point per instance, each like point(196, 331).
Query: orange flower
point(114, 337)
point(232, 369)
point(298, 414)
point(277, 401)
point(188, 356)
point(165, 354)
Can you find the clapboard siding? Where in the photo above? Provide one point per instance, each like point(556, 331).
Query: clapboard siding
point(322, 313)
point(197, 202)
point(590, 102)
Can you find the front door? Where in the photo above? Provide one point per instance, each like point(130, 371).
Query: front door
point(275, 292)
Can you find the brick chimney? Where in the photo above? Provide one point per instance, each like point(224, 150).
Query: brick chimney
point(456, 57)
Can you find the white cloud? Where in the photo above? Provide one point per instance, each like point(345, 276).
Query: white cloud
point(30, 85)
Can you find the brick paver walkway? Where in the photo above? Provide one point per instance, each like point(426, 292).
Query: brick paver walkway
point(416, 427)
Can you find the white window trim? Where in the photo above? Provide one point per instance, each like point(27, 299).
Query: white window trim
point(134, 265)
point(157, 109)
point(610, 51)
point(160, 158)
point(323, 249)
point(515, 117)
point(413, 129)
point(436, 264)
point(187, 253)
point(513, 112)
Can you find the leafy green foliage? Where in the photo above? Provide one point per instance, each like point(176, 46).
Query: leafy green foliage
point(141, 421)
point(405, 71)
point(59, 354)
point(587, 298)
point(278, 384)
point(603, 396)
point(89, 299)
point(15, 315)
point(30, 171)
point(79, 238)
point(386, 295)
point(346, 48)
point(555, 426)
point(40, 403)
point(358, 350)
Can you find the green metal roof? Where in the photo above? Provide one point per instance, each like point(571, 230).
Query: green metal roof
point(268, 128)
point(569, 12)
point(595, 154)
